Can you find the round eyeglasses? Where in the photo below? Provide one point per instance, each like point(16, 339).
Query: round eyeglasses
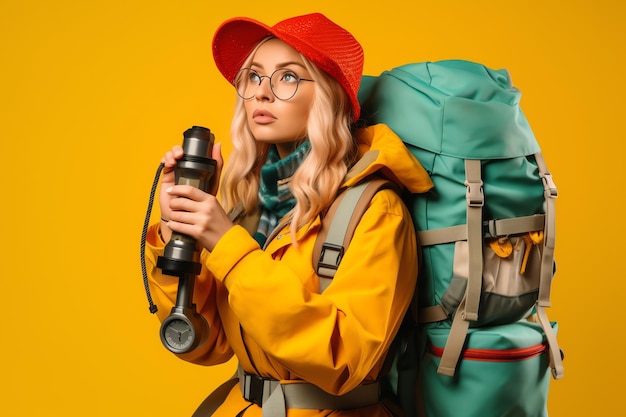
point(283, 83)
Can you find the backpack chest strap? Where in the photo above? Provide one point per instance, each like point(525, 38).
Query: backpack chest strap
point(275, 397)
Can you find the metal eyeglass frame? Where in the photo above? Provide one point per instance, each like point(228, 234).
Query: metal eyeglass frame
point(269, 77)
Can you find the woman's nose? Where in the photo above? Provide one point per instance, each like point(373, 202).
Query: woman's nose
point(264, 90)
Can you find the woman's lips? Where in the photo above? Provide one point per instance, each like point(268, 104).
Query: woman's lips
point(263, 117)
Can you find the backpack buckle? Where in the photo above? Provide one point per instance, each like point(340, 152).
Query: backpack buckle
point(474, 195)
point(257, 389)
point(330, 258)
point(549, 186)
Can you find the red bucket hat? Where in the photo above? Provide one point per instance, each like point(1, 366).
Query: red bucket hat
point(326, 44)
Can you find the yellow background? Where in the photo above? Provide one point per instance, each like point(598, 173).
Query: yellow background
point(93, 93)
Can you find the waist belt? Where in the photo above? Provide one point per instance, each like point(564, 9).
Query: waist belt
point(275, 397)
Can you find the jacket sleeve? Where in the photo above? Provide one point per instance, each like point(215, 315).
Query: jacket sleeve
point(337, 339)
point(164, 288)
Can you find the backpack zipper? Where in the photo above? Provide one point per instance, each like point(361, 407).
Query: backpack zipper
point(497, 355)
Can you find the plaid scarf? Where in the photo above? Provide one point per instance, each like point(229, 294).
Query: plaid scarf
point(275, 197)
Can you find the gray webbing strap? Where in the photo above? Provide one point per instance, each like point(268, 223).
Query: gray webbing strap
point(432, 314)
point(338, 227)
point(454, 344)
point(491, 228)
point(514, 226)
point(547, 265)
point(556, 360)
point(444, 235)
point(549, 231)
point(468, 308)
point(475, 202)
point(280, 397)
point(215, 399)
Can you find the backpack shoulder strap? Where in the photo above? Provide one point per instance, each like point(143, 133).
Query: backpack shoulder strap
point(216, 398)
point(338, 227)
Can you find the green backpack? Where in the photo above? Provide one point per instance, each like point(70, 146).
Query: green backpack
point(481, 344)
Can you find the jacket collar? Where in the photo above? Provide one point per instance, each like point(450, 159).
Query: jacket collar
point(383, 153)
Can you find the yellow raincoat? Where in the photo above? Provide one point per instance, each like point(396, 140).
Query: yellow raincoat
point(264, 305)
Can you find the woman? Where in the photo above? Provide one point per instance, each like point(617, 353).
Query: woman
point(295, 147)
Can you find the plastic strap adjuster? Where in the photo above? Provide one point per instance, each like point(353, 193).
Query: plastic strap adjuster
point(330, 257)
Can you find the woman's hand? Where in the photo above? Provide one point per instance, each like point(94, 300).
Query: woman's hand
point(167, 180)
point(198, 214)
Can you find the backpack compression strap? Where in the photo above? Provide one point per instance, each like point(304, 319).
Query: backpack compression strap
point(547, 265)
point(467, 310)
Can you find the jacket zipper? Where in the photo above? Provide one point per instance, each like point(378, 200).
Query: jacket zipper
point(496, 355)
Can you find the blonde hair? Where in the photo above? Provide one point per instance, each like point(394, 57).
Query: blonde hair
point(315, 183)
